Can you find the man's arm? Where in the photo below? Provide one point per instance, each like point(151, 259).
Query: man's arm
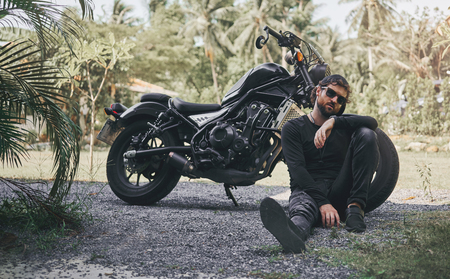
point(348, 121)
point(354, 121)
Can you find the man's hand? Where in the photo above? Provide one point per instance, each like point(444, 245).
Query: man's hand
point(329, 215)
point(323, 133)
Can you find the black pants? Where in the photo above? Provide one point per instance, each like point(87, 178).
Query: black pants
point(351, 185)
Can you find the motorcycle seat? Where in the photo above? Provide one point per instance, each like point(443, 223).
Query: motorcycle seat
point(186, 107)
point(118, 108)
point(155, 97)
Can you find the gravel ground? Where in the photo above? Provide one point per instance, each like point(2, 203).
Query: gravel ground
point(195, 232)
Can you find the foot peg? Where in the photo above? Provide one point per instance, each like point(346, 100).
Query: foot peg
point(229, 194)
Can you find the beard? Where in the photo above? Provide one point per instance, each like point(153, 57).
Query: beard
point(323, 110)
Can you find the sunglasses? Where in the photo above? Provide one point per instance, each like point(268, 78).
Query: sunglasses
point(331, 94)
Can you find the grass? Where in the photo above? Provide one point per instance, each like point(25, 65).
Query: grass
point(272, 275)
point(44, 219)
point(418, 247)
point(39, 166)
point(410, 178)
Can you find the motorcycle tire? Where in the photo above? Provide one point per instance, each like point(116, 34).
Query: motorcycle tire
point(126, 180)
point(386, 175)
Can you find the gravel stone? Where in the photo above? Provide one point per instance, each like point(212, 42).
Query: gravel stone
point(195, 232)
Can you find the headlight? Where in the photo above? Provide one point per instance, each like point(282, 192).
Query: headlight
point(318, 72)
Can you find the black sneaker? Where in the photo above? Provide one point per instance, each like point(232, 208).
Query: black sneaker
point(278, 223)
point(355, 219)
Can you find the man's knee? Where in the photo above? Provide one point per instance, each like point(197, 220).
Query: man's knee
point(365, 134)
point(302, 204)
point(365, 144)
point(366, 138)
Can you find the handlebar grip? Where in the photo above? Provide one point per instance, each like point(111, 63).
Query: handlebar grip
point(273, 32)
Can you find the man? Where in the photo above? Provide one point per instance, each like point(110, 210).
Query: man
point(331, 161)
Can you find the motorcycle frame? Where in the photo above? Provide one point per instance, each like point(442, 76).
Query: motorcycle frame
point(229, 176)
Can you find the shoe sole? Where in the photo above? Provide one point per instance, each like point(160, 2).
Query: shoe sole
point(277, 223)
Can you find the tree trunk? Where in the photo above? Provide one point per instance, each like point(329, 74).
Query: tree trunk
point(93, 113)
point(216, 86)
point(369, 49)
point(267, 53)
point(91, 143)
point(264, 54)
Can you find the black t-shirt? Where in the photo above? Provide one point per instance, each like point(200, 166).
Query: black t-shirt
point(306, 163)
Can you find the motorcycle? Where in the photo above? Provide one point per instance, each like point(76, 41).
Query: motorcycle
point(235, 143)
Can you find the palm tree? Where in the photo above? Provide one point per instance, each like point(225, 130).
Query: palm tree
point(370, 14)
point(204, 18)
point(327, 41)
point(300, 18)
point(29, 87)
point(120, 14)
point(410, 48)
point(443, 30)
point(249, 26)
point(45, 18)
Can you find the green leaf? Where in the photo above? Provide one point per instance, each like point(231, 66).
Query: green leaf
point(28, 91)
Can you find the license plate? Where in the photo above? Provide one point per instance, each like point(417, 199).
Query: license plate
point(109, 132)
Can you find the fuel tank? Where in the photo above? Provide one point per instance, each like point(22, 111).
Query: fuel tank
point(253, 78)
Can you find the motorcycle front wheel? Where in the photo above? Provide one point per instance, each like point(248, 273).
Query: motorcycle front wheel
point(144, 181)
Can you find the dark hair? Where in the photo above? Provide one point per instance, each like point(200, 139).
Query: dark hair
point(335, 80)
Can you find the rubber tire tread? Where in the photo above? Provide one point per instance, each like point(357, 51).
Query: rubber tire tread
point(387, 173)
point(155, 193)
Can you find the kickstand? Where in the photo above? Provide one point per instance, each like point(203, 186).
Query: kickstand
point(229, 194)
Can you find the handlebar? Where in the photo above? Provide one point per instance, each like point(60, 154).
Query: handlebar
point(261, 40)
point(289, 40)
point(273, 32)
point(286, 39)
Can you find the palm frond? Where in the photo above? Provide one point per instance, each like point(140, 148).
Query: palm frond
point(11, 139)
point(45, 18)
point(29, 88)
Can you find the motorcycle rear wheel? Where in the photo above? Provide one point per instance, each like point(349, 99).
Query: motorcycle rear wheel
point(386, 176)
point(143, 181)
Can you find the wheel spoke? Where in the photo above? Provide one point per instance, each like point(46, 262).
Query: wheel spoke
point(151, 143)
point(128, 178)
point(137, 181)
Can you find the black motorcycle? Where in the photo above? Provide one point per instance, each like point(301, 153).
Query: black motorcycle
point(236, 143)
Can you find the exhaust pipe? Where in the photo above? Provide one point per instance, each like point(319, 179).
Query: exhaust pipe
point(155, 151)
point(180, 163)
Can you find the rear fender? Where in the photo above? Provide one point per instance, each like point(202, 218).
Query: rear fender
point(140, 110)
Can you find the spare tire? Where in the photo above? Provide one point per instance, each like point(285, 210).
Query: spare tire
point(386, 175)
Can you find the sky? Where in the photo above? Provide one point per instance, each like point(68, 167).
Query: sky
point(338, 12)
point(330, 8)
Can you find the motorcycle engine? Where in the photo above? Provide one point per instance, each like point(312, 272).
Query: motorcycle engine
point(237, 140)
point(222, 135)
